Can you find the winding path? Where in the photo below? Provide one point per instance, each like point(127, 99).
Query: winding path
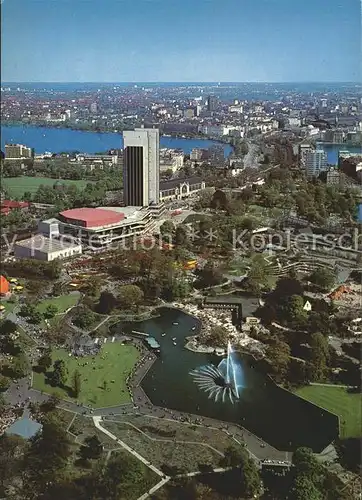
point(164, 480)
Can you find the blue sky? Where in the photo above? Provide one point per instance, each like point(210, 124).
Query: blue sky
point(181, 40)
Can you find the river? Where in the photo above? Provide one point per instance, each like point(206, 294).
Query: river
point(277, 416)
point(57, 140)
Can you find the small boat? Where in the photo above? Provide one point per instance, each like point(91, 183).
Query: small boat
point(175, 323)
point(163, 335)
point(174, 343)
point(193, 328)
point(174, 338)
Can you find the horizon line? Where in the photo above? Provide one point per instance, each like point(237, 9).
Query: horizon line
point(187, 81)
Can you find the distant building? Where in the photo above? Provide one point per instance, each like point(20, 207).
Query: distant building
point(93, 107)
point(171, 160)
point(17, 151)
point(216, 155)
point(178, 189)
point(198, 154)
point(211, 103)
point(6, 206)
point(351, 166)
point(40, 247)
point(190, 112)
point(236, 108)
point(141, 167)
point(333, 176)
point(304, 148)
point(315, 163)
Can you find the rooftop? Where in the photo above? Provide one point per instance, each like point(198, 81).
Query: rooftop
point(93, 217)
point(172, 184)
point(40, 242)
point(24, 427)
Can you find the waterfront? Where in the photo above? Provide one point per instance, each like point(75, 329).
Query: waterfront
point(332, 150)
point(59, 140)
point(275, 415)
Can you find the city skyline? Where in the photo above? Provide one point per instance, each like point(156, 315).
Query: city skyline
point(159, 41)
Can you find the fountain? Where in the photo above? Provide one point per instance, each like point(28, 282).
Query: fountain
point(223, 382)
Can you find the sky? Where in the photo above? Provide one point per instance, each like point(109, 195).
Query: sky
point(181, 41)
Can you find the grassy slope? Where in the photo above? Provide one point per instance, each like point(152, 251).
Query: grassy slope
point(338, 401)
point(117, 363)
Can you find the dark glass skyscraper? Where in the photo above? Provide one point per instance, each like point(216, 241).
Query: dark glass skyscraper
point(141, 166)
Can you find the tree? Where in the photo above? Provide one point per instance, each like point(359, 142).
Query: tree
point(60, 373)
point(130, 296)
point(205, 197)
point(217, 336)
point(57, 289)
point(4, 383)
point(323, 278)
point(304, 489)
point(235, 456)
point(219, 200)
point(83, 317)
point(50, 404)
point(11, 450)
point(286, 287)
point(181, 235)
point(93, 287)
point(36, 317)
point(121, 475)
point(167, 230)
point(306, 464)
point(107, 302)
point(50, 311)
point(46, 458)
point(8, 327)
point(210, 275)
point(319, 356)
point(20, 365)
point(293, 309)
point(92, 448)
point(45, 362)
point(76, 383)
point(278, 355)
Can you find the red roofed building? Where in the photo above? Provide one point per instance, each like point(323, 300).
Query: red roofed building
point(91, 217)
point(4, 286)
point(7, 206)
point(97, 228)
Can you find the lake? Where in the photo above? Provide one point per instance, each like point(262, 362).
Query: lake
point(57, 140)
point(277, 416)
point(332, 151)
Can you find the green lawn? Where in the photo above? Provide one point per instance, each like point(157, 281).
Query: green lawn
point(118, 361)
point(63, 302)
point(9, 305)
point(338, 401)
point(17, 186)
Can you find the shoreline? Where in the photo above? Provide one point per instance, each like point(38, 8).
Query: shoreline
point(185, 136)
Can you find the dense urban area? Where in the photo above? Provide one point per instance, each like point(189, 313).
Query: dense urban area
point(181, 312)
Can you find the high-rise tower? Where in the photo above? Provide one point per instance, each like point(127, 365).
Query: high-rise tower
point(141, 167)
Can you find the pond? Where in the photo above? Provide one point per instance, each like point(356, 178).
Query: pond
point(275, 415)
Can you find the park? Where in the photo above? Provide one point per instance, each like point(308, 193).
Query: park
point(337, 400)
point(17, 186)
point(103, 377)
